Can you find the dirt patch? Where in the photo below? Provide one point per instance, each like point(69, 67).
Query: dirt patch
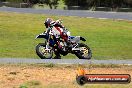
point(14, 75)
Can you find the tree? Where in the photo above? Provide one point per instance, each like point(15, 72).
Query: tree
point(51, 3)
point(2, 0)
point(113, 4)
point(71, 2)
point(34, 1)
point(17, 1)
point(129, 3)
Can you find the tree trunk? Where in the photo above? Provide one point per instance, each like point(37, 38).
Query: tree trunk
point(50, 5)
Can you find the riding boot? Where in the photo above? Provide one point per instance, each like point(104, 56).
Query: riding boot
point(57, 55)
point(69, 45)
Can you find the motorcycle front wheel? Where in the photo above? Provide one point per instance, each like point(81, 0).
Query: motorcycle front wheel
point(42, 52)
point(84, 52)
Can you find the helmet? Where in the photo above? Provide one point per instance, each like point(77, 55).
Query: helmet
point(47, 22)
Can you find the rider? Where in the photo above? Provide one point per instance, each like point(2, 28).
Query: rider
point(58, 30)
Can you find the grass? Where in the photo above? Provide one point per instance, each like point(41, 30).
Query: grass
point(38, 83)
point(74, 66)
point(75, 85)
point(108, 39)
point(31, 84)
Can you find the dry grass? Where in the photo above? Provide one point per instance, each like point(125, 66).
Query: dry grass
point(58, 76)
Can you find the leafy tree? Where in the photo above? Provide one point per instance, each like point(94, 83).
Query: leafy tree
point(129, 3)
point(114, 4)
point(34, 1)
point(17, 1)
point(71, 2)
point(2, 0)
point(51, 3)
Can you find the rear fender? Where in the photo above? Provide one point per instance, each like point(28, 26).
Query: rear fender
point(76, 39)
point(83, 39)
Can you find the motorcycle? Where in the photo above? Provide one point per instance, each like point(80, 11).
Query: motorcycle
point(45, 50)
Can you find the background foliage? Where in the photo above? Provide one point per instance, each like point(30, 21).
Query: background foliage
point(114, 4)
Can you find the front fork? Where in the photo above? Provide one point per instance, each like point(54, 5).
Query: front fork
point(47, 48)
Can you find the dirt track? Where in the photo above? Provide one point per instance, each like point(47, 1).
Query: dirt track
point(12, 76)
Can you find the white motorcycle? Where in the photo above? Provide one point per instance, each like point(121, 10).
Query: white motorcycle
point(45, 50)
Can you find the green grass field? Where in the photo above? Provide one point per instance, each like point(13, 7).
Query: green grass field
point(108, 39)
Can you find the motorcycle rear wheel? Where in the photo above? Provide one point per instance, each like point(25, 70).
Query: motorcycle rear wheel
point(85, 53)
